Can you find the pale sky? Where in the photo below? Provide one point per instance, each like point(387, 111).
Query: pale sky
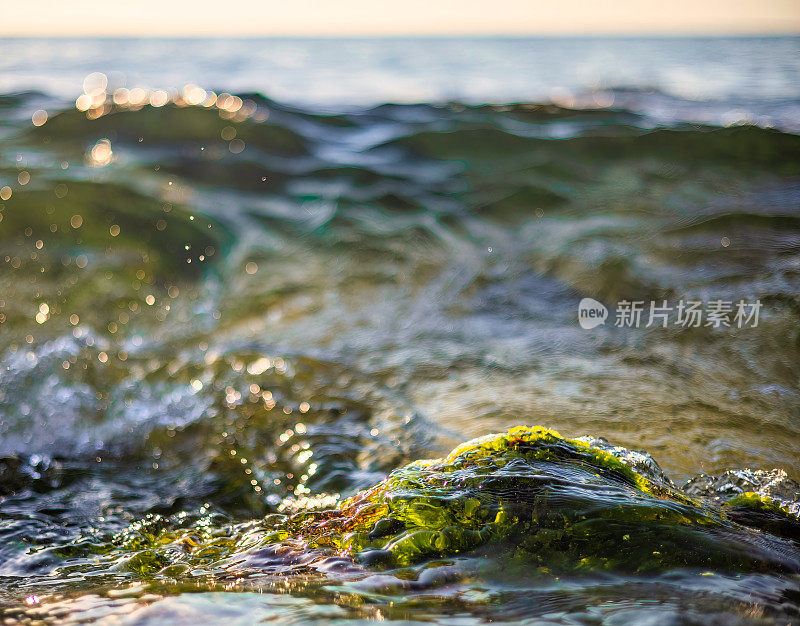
point(400, 17)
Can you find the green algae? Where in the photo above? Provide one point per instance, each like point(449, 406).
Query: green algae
point(555, 503)
point(761, 511)
point(756, 502)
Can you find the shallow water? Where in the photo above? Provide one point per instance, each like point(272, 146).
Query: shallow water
point(206, 310)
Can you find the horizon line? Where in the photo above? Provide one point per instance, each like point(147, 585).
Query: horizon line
point(419, 35)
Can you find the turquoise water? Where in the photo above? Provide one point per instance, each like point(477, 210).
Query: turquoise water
point(215, 308)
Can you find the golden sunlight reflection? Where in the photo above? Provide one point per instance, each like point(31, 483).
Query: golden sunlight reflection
point(96, 101)
point(194, 95)
point(39, 117)
point(159, 98)
point(101, 154)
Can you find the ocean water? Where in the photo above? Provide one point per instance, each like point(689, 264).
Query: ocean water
point(715, 80)
point(240, 278)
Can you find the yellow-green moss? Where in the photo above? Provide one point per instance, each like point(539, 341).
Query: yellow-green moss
point(756, 502)
point(561, 503)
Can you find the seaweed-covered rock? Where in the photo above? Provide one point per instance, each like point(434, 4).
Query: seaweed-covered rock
point(768, 500)
point(774, 485)
point(555, 502)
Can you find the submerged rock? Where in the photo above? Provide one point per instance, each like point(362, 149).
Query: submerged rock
point(738, 485)
point(557, 503)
